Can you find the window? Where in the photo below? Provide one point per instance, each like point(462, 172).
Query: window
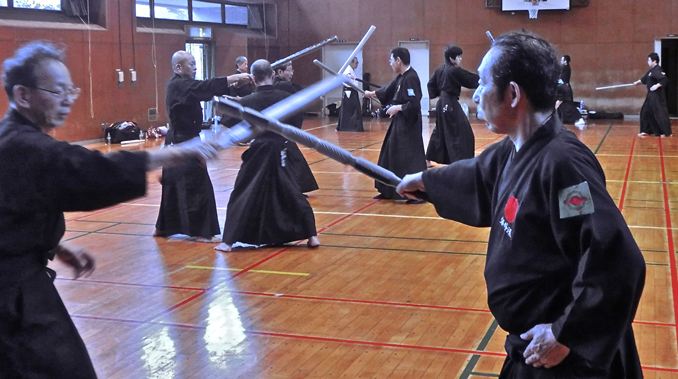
point(171, 9)
point(236, 14)
point(207, 12)
point(51, 5)
point(211, 11)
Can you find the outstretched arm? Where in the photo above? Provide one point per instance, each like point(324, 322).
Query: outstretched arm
point(170, 156)
point(76, 257)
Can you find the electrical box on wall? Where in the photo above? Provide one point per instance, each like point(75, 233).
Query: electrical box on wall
point(120, 77)
point(132, 77)
point(152, 114)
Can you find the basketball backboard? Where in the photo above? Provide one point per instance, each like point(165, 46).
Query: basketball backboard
point(544, 5)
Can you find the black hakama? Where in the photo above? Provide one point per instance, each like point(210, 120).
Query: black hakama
point(654, 114)
point(452, 138)
point(295, 158)
point(188, 205)
point(564, 90)
point(350, 112)
point(243, 90)
point(403, 149)
point(267, 205)
point(40, 178)
point(559, 250)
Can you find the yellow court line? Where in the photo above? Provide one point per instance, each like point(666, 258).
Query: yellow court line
point(257, 271)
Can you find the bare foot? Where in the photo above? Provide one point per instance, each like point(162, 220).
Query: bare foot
point(207, 240)
point(223, 247)
point(313, 242)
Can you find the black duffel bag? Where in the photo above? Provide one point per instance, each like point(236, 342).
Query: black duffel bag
point(122, 131)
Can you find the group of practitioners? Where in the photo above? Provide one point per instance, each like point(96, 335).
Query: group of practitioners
point(564, 275)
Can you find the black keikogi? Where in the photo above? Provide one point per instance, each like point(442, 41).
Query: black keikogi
point(654, 114)
point(452, 138)
point(242, 90)
point(403, 149)
point(188, 205)
point(40, 178)
point(559, 250)
point(267, 205)
point(302, 171)
point(350, 112)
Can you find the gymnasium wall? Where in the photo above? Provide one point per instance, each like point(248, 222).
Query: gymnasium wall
point(116, 45)
point(609, 41)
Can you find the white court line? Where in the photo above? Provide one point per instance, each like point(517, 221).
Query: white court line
point(399, 216)
point(320, 127)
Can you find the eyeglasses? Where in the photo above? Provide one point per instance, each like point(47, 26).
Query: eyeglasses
point(74, 93)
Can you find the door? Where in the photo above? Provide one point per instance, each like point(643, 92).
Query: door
point(669, 62)
point(419, 60)
point(334, 56)
point(203, 52)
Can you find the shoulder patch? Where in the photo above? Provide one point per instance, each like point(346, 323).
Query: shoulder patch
point(410, 92)
point(575, 201)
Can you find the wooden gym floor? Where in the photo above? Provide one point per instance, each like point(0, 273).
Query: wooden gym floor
point(393, 292)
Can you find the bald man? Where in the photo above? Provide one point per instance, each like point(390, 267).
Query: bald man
point(188, 206)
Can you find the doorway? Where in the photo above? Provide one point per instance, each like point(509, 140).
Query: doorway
point(669, 62)
point(419, 60)
point(334, 56)
point(203, 52)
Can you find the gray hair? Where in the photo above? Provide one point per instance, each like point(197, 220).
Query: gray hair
point(20, 69)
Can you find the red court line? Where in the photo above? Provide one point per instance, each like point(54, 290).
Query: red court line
point(626, 176)
point(287, 248)
point(653, 323)
point(489, 143)
point(97, 318)
point(347, 216)
point(659, 369)
point(175, 306)
point(378, 344)
point(132, 284)
point(340, 300)
point(97, 212)
point(669, 234)
point(260, 262)
point(326, 339)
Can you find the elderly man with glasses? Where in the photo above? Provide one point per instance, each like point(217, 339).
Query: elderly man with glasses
point(40, 178)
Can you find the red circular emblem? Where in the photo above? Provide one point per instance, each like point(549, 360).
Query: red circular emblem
point(511, 209)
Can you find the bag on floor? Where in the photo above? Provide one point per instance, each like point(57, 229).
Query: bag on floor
point(122, 131)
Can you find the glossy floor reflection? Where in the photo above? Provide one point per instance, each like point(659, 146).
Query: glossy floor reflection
point(393, 292)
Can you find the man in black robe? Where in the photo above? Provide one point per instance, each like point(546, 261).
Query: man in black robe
point(302, 171)
point(350, 113)
point(403, 149)
point(564, 92)
point(452, 138)
point(564, 275)
point(266, 206)
point(654, 114)
point(188, 206)
point(241, 67)
point(568, 109)
point(283, 78)
point(40, 178)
